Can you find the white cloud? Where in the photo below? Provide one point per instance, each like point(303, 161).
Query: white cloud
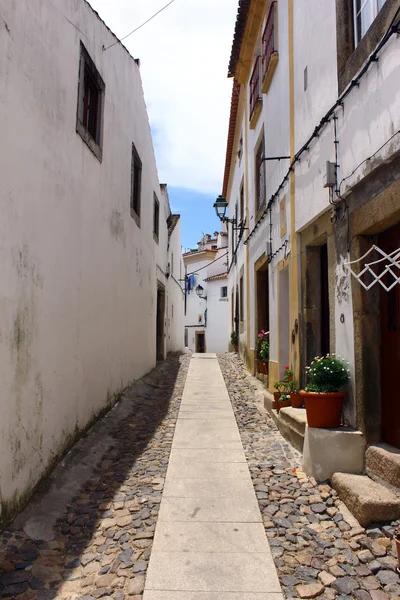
point(184, 55)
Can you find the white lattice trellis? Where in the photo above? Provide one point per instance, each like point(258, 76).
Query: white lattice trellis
point(392, 268)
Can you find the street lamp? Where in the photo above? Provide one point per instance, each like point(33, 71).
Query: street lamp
point(200, 292)
point(220, 206)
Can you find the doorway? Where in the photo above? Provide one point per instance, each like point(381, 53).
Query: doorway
point(200, 342)
point(160, 320)
point(283, 320)
point(389, 303)
point(324, 300)
point(262, 299)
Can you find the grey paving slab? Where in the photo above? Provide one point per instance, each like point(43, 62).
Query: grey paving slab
point(208, 488)
point(209, 455)
point(209, 542)
point(215, 510)
point(212, 571)
point(168, 595)
point(209, 537)
point(184, 468)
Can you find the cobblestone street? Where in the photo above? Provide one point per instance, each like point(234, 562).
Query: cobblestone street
point(318, 548)
point(102, 542)
point(102, 545)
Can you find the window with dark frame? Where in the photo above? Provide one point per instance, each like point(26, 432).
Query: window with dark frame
point(224, 291)
point(241, 213)
point(156, 217)
point(260, 175)
point(91, 89)
point(136, 184)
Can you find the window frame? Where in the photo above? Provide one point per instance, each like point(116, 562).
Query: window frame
point(222, 295)
point(259, 173)
point(136, 185)
point(89, 74)
point(374, 10)
point(156, 218)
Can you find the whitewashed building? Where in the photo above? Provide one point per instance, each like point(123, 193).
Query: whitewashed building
point(84, 234)
point(206, 299)
point(312, 175)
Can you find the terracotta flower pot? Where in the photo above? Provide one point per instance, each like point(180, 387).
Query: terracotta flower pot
point(297, 400)
point(284, 404)
point(236, 348)
point(324, 410)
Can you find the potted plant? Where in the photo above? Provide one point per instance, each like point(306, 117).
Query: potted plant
point(278, 385)
point(323, 396)
point(284, 401)
point(292, 385)
point(263, 351)
point(235, 340)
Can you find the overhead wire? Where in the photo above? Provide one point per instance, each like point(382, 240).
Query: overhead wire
point(139, 27)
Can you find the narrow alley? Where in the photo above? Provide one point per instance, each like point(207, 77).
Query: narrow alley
point(175, 467)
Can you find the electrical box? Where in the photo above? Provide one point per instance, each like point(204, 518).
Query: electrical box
point(330, 174)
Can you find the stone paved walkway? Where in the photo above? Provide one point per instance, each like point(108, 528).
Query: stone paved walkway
point(209, 542)
point(319, 549)
point(101, 542)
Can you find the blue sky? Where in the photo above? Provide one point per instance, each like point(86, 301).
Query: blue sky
point(184, 54)
point(197, 214)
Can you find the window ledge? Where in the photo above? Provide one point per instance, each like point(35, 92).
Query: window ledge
point(256, 113)
point(269, 72)
point(89, 141)
point(223, 299)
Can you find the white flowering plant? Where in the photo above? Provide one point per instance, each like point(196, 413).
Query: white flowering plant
point(327, 374)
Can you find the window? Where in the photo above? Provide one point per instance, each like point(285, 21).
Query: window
point(224, 292)
point(156, 218)
point(241, 213)
point(241, 311)
point(136, 183)
point(260, 175)
point(255, 92)
point(365, 12)
point(282, 216)
point(91, 89)
point(269, 48)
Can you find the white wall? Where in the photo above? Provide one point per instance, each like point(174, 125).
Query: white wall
point(175, 341)
point(78, 294)
point(218, 317)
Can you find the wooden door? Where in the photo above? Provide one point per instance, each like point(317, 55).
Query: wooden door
point(389, 240)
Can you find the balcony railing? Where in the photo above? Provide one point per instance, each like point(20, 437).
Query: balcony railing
point(255, 86)
point(269, 39)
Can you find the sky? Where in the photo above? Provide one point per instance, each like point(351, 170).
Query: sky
point(184, 54)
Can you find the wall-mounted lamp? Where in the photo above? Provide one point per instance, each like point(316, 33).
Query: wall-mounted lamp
point(220, 206)
point(200, 292)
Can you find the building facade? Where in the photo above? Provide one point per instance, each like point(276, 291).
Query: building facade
point(312, 175)
point(206, 319)
point(84, 234)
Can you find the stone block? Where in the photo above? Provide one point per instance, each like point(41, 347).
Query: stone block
point(383, 461)
point(368, 501)
point(327, 451)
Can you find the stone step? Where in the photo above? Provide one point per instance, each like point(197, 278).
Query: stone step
point(382, 462)
point(291, 422)
point(368, 500)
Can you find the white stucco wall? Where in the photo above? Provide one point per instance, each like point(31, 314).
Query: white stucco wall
point(175, 336)
point(79, 277)
point(217, 334)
